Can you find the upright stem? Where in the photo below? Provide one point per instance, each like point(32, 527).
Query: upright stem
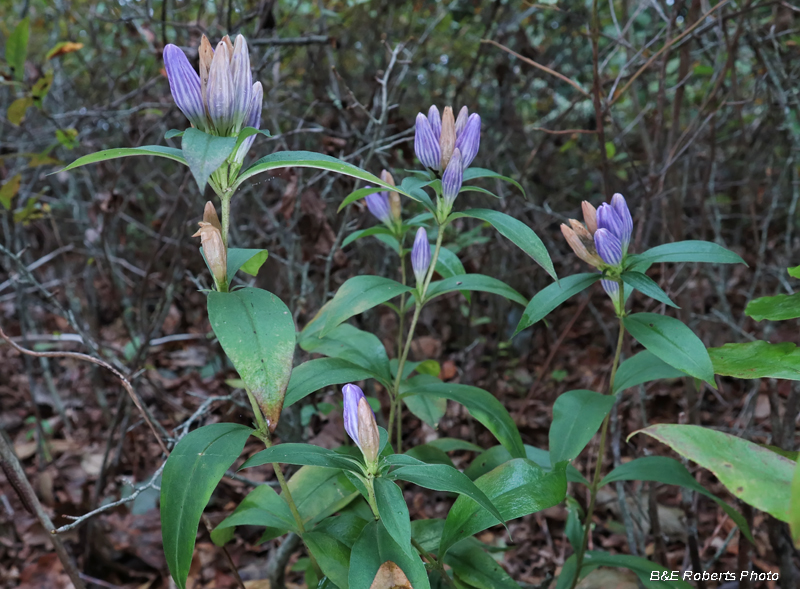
point(602, 448)
point(226, 216)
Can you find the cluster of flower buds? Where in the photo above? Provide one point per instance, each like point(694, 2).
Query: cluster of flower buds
point(605, 238)
point(359, 423)
point(385, 205)
point(222, 98)
point(420, 256)
point(447, 146)
point(214, 250)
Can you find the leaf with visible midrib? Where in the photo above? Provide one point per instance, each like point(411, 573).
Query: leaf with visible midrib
point(191, 474)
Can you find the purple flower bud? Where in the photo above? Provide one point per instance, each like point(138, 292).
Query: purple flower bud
point(184, 83)
point(607, 218)
point(219, 93)
point(608, 247)
point(352, 395)
point(452, 178)
point(378, 204)
point(612, 289)
point(469, 140)
point(253, 120)
point(621, 208)
point(421, 255)
point(426, 144)
point(461, 121)
point(436, 121)
point(242, 82)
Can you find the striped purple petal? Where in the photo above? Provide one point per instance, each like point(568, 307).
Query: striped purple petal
point(612, 288)
point(421, 255)
point(623, 212)
point(608, 247)
point(436, 121)
point(184, 83)
point(607, 218)
point(426, 145)
point(378, 205)
point(352, 395)
point(469, 140)
point(253, 120)
point(452, 178)
point(220, 91)
point(461, 121)
point(242, 82)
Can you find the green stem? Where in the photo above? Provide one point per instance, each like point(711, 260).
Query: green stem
point(373, 502)
point(601, 451)
point(432, 559)
point(226, 216)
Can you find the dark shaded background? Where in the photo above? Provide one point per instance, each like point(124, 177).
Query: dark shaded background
point(704, 142)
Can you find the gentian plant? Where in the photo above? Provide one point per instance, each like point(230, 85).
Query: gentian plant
point(347, 503)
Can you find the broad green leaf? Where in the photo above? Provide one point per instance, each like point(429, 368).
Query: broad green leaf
point(332, 556)
point(757, 359)
point(641, 566)
point(552, 296)
point(319, 492)
point(428, 408)
point(517, 488)
point(777, 308)
point(9, 190)
point(358, 195)
point(246, 260)
point(376, 546)
point(248, 132)
point(17, 48)
point(302, 455)
point(359, 347)
point(577, 416)
point(794, 507)
point(481, 404)
point(430, 455)
point(357, 295)
point(414, 187)
point(641, 368)
point(309, 159)
point(427, 532)
point(191, 474)
point(473, 565)
point(475, 173)
point(518, 232)
point(17, 109)
point(684, 251)
point(262, 507)
point(377, 230)
point(205, 153)
point(574, 527)
point(494, 457)
point(394, 513)
point(754, 474)
point(256, 330)
point(673, 342)
point(567, 574)
point(477, 282)
point(441, 477)
point(454, 444)
point(110, 154)
point(669, 471)
point(320, 373)
point(646, 285)
point(448, 264)
point(794, 272)
point(347, 526)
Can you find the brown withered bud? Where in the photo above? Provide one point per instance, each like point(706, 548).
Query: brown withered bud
point(215, 252)
point(589, 216)
point(227, 40)
point(583, 233)
point(368, 437)
point(394, 197)
point(580, 250)
point(210, 216)
point(206, 56)
point(447, 139)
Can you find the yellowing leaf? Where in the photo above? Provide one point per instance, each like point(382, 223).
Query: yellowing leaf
point(390, 576)
point(9, 190)
point(16, 110)
point(63, 48)
point(41, 88)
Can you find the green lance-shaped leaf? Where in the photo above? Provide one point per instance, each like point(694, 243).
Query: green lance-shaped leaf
point(319, 491)
point(320, 373)
point(262, 507)
point(517, 488)
point(111, 154)
point(376, 546)
point(517, 231)
point(777, 308)
point(475, 173)
point(205, 153)
point(577, 416)
point(359, 347)
point(641, 368)
point(475, 567)
point(303, 455)
point(642, 567)
point(394, 513)
point(476, 282)
point(757, 359)
point(192, 472)
point(794, 507)
point(256, 330)
point(247, 260)
point(358, 195)
point(673, 342)
point(669, 471)
point(552, 296)
point(684, 251)
point(481, 404)
point(332, 556)
point(646, 285)
point(17, 48)
point(754, 474)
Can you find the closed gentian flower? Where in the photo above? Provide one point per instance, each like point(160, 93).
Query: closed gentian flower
point(253, 120)
point(220, 92)
point(184, 83)
point(452, 178)
point(426, 143)
point(436, 137)
point(379, 205)
point(607, 218)
point(359, 422)
point(242, 80)
point(421, 255)
point(608, 247)
point(435, 121)
point(612, 289)
point(469, 140)
point(623, 212)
